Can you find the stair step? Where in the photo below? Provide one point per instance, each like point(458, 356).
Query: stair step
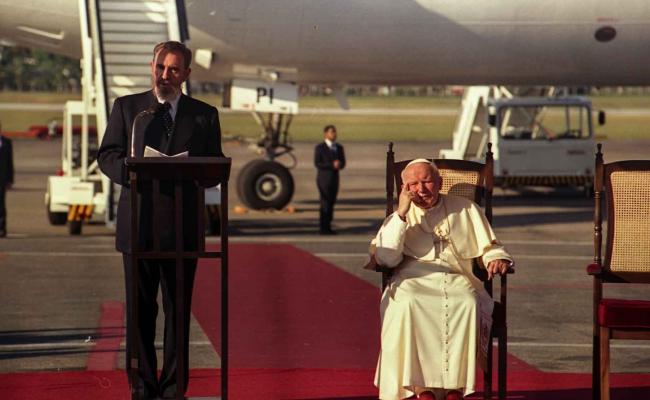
point(141, 37)
point(118, 91)
point(149, 16)
point(139, 27)
point(119, 69)
point(133, 48)
point(128, 80)
point(145, 6)
point(135, 1)
point(116, 58)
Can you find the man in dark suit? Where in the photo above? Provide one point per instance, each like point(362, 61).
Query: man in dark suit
point(6, 178)
point(329, 159)
point(179, 124)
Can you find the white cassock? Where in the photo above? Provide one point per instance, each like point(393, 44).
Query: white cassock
point(434, 309)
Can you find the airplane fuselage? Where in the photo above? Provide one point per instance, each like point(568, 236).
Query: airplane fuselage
point(390, 41)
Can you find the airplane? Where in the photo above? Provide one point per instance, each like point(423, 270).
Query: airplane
point(257, 46)
point(393, 42)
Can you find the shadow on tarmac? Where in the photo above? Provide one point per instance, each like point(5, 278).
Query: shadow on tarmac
point(71, 336)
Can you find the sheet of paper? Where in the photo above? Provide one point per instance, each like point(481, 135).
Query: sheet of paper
point(151, 152)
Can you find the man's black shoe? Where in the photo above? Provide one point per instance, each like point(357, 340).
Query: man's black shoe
point(327, 232)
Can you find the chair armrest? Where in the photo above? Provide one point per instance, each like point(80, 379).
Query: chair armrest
point(373, 265)
point(594, 269)
point(383, 269)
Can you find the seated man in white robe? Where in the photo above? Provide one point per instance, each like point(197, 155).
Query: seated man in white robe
point(434, 308)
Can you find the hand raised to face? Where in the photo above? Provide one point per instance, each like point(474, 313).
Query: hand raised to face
point(406, 197)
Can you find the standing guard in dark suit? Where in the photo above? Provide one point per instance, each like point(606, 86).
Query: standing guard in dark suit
point(179, 124)
point(6, 178)
point(329, 159)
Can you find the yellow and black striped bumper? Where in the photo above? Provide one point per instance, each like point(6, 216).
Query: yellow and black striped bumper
point(80, 212)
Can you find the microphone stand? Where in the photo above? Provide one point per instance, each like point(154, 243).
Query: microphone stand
point(136, 123)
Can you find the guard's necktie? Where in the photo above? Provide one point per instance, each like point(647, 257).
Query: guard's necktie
point(167, 118)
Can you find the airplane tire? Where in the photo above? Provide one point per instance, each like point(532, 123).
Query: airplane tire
point(74, 227)
point(265, 184)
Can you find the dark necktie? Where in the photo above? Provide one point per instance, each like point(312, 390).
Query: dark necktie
point(167, 119)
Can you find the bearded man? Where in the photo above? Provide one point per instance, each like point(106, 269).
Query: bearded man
point(434, 309)
point(179, 124)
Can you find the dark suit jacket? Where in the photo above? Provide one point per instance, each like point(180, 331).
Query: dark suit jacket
point(327, 177)
point(6, 163)
point(196, 130)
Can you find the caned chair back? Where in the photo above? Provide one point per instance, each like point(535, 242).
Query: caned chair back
point(627, 188)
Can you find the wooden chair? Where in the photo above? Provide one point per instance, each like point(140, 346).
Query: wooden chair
point(474, 181)
point(627, 258)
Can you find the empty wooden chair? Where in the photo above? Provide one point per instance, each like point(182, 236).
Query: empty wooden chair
point(622, 190)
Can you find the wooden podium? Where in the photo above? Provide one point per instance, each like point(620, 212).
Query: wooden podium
point(178, 172)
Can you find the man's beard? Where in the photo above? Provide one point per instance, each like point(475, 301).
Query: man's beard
point(166, 92)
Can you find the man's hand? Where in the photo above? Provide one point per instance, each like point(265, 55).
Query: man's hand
point(497, 267)
point(405, 200)
point(336, 164)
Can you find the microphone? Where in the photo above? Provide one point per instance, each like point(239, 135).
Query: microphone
point(149, 112)
point(153, 109)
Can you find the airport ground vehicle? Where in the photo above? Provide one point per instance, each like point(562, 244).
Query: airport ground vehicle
point(536, 141)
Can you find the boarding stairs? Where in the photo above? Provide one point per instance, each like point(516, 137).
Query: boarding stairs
point(125, 33)
point(117, 39)
point(471, 124)
point(472, 130)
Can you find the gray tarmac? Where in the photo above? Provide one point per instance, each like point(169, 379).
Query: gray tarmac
point(53, 284)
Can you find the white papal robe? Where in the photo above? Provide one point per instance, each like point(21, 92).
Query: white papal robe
point(434, 305)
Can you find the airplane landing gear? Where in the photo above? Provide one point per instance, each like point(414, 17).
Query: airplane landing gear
point(267, 184)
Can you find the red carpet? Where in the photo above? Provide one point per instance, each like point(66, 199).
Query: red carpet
point(299, 384)
point(300, 328)
point(289, 309)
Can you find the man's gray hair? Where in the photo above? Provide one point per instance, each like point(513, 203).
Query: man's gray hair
point(173, 46)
